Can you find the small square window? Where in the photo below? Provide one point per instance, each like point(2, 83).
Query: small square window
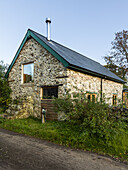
point(91, 97)
point(28, 72)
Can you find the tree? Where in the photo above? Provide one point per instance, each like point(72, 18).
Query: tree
point(117, 59)
point(4, 88)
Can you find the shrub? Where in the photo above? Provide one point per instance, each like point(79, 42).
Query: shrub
point(95, 119)
point(63, 105)
point(4, 89)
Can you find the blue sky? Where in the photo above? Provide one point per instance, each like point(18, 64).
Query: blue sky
point(86, 26)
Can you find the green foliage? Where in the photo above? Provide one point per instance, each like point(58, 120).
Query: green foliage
point(125, 85)
point(63, 105)
point(97, 121)
point(3, 69)
point(4, 89)
point(68, 134)
point(117, 59)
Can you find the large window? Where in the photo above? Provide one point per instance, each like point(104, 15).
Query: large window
point(28, 72)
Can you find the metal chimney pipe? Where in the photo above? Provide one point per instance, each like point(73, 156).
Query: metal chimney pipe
point(48, 21)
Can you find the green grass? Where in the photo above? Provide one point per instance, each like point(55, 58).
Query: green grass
point(66, 134)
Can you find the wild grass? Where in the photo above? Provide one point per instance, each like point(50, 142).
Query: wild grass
point(64, 133)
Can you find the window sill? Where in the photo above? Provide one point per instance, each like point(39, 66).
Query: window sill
point(27, 84)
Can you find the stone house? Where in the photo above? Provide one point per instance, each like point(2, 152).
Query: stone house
point(42, 69)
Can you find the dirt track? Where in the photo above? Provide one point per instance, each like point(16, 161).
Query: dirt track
point(19, 152)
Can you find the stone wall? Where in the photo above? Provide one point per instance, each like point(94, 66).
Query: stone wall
point(47, 71)
point(110, 88)
point(92, 84)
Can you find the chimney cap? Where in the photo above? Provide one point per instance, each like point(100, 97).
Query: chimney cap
point(48, 20)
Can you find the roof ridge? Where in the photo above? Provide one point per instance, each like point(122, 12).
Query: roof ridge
point(65, 46)
point(37, 33)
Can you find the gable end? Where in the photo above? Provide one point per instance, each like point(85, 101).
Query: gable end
point(27, 36)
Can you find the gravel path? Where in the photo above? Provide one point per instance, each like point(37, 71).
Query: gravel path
point(20, 152)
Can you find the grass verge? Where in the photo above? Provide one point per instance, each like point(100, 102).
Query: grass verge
point(65, 134)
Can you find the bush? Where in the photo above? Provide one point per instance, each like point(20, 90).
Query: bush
point(94, 119)
point(4, 89)
point(63, 105)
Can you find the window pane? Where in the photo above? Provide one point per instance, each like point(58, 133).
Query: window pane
point(49, 93)
point(28, 73)
point(44, 93)
point(93, 98)
point(114, 98)
point(54, 92)
point(89, 97)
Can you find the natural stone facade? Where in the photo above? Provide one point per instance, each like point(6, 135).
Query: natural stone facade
point(110, 88)
point(88, 83)
point(82, 81)
point(48, 71)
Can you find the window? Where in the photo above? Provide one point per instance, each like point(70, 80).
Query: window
point(114, 99)
point(124, 97)
point(28, 70)
point(49, 92)
point(91, 97)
